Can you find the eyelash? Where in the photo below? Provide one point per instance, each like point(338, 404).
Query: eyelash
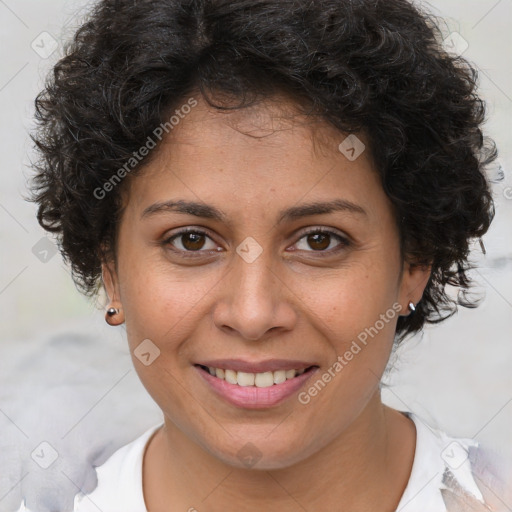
point(344, 242)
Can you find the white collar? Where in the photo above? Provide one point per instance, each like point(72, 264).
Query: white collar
point(434, 454)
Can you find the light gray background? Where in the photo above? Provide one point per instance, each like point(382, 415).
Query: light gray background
point(457, 375)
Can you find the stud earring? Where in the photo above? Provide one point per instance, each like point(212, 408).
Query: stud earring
point(110, 314)
point(412, 307)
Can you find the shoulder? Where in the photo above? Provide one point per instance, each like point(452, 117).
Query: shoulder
point(119, 486)
point(452, 474)
point(493, 474)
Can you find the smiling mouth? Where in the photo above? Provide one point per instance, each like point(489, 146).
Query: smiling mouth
point(258, 380)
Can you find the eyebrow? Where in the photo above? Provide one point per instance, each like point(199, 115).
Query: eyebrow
point(295, 212)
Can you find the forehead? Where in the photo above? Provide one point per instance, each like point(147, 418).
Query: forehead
point(276, 122)
point(263, 153)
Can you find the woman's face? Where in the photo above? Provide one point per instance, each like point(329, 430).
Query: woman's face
point(265, 282)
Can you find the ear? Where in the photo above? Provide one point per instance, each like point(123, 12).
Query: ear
point(114, 315)
point(414, 280)
point(110, 281)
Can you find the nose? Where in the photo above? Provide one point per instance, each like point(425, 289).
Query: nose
point(254, 300)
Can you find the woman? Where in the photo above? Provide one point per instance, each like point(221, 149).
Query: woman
point(272, 194)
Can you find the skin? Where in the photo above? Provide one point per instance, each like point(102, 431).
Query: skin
point(344, 446)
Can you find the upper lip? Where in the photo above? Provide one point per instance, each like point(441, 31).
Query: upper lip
point(269, 365)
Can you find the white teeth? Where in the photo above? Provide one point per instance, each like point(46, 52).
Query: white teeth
point(260, 380)
point(279, 376)
point(264, 380)
point(245, 379)
point(230, 376)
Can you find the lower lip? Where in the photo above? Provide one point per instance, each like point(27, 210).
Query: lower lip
point(252, 397)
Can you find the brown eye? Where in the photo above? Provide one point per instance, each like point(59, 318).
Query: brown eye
point(189, 241)
point(192, 241)
point(320, 240)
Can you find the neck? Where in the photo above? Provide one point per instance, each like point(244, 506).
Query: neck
point(368, 463)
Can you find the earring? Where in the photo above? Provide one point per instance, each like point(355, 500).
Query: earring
point(412, 307)
point(110, 314)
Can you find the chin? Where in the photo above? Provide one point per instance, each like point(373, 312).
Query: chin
point(261, 454)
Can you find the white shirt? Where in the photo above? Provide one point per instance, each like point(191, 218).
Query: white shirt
point(440, 463)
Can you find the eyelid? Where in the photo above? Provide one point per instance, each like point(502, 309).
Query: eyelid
point(344, 239)
point(322, 229)
point(168, 238)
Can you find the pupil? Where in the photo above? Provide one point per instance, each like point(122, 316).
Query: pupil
point(196, 244)
point(319, 236)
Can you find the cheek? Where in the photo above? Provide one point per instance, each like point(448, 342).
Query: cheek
point(354, 311)
point(353, 299)
point(160, 301)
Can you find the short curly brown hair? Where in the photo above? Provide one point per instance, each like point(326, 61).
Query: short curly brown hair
point(376, 66)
